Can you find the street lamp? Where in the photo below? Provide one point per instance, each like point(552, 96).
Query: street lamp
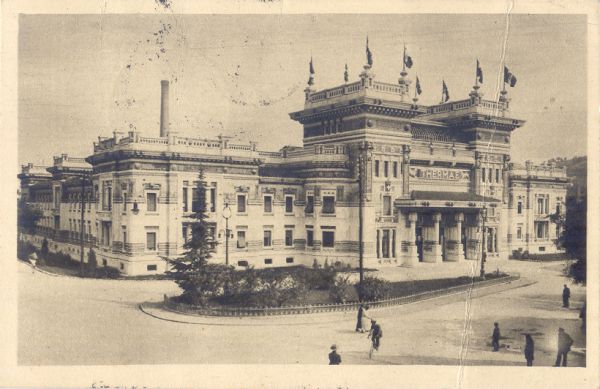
point(483, 248)
point(226, 216)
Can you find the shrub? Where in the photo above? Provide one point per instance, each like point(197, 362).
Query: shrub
point(107, 272)
point(44, 251)
point(374, 288)
point(342, 290)
point(24, 249)
point(277, 288)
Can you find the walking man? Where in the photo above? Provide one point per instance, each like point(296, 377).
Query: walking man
point(496, 337)
point(566, 296)
point(564, 346)
point(334, 357)
point(375, 334)
point(529, 346)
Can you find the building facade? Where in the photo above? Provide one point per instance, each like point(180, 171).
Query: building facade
point(406, 182)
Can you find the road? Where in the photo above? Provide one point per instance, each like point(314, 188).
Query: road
point(71, 321)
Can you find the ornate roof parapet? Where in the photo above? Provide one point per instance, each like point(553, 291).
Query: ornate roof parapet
point(475, 95)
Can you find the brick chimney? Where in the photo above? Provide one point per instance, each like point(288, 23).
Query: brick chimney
point(164, 108)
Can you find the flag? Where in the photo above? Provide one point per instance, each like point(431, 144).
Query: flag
point(346, 73)
point(311, 69)
point(509, 78)
point(479, 74)
point(445, 94)
point(407, 59)
point(418, 86)
point(369, 55)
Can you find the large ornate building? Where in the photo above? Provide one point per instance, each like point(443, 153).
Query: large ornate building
point(412, 183)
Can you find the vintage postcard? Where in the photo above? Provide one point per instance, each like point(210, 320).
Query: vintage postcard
point(247, 194)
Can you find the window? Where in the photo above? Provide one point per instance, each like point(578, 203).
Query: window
point(497, 176)
point(376, 168)
point(185, 199)
point(268, 204)
point(329, 204)
point(121, 266)
point(124, 202)
point(519, 207)
point(542, 248)
point(385, 243)
point(243, 263)
point(267, 238)
point(56, 197)
point(124, 232)
point(289, 204)
point(386, 166)
point(184, 233)
point(310, 204)
point(151, 241)
point(151, 267)
point(241, 203)
point(268, 261)
point(387, 205)
point(213, 199)
point(540, 205)
point(482, 174)
point(197, 205)
point(151, 202)
point(309, 238)
point(289, 260)
point(519, 233)
point(395, 169)
point(241, 239)
point(289, 238)
point(541, 230)
point(328, 238)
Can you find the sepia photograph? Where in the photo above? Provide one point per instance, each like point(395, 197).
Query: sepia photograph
point(302, 189)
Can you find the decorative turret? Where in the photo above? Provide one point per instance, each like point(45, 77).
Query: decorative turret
point(311, 80)
point(367, 75)
point(403, 81)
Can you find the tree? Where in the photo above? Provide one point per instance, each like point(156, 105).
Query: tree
point(573, 223)
point(192, 272)
point(27, 216)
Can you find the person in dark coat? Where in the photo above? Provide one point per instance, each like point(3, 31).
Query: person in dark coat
point(334, 357)
point(375, 334)
point(359, 326)
point(496, 337)
point(529, 346)
point(566, 296)
point(564, 346)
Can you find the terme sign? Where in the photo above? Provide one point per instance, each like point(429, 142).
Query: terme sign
point(439, 174)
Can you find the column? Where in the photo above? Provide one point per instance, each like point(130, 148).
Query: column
point(473, 237)
point(432, 250)
point(410, 257)
point(454, 248)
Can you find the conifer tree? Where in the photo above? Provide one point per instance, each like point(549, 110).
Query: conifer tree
point(192, 272)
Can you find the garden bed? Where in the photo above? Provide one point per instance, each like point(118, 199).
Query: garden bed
point(318, 300)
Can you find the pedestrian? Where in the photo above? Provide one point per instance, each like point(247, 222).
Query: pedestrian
point(365, 319)
point(529, 347)
point(582, 316)
point(564, 346)
point(375, 334)
point(334, 357)
point(566, 296)
point(496, 337)
point(359, 319)
point(33, 260)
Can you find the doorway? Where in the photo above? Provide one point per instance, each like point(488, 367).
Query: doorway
point(419, 242)
point(442, 240)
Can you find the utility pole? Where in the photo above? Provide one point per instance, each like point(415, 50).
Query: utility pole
point(82, 227)
point(483, 248)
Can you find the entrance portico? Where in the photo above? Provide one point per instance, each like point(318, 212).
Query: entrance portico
point(446, 230)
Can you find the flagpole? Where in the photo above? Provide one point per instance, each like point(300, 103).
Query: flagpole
point(404, 58)
point(476, 70)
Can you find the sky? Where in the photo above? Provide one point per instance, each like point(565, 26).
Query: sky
point(84, 76)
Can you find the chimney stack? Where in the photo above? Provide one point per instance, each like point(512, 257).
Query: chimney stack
point(164, 108)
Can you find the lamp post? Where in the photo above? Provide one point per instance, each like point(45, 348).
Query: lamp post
point(226, 216)
point(483, 248)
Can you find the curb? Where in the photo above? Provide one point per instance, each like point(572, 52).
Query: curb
point(143, 307)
